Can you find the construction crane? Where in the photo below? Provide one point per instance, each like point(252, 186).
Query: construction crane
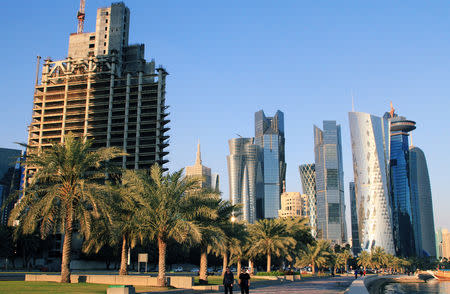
point(80, 17)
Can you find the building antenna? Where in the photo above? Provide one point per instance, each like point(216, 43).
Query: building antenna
point(353, 103)
point(80, 17)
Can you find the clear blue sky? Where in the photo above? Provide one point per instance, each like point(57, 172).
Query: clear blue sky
point(228, 59)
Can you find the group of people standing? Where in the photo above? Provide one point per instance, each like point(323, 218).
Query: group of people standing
point(360, 272)
point(244, 281)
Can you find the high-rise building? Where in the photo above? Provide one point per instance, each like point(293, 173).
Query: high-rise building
point(421, 190)
point(199, 170)
point(439, 244)
point(104, 90)
point(370, 148)
point(269, 136)
point(356, 245)
point(246, 177)
point(308, 179)
point(291, 204)
point(330, 203)
point(402, 205)
point(215, 182)
point(10, 179)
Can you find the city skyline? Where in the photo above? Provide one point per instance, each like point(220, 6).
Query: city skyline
point(300, 90)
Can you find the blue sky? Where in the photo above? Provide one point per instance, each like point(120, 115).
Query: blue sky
point(229, 59)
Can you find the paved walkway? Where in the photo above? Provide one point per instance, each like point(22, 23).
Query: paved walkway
point(313, 286)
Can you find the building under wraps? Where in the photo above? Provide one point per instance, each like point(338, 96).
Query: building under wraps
point(105, 90)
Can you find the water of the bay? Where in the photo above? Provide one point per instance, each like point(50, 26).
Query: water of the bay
point(413, 288)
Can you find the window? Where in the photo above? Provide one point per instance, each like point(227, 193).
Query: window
point(106, 36)
point(333, 212)
point(92, 38)
point(106, 28)
point(106, 13)
point(91, 45)
point(104, 43)
point(104, 51)
point(106, 20)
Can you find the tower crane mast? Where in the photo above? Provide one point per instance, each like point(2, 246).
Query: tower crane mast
point(80, 17)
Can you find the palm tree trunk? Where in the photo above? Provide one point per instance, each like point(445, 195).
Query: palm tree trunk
point(269, 259)
point(225, 262)
point(162, 246)
point(250, 265)
point(67, 247)
point(239, 266)
point(203, 278)
point(313, 266)
point(123, 259)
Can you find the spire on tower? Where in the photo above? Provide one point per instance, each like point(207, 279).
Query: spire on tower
point(198, 160)
point(392, 110)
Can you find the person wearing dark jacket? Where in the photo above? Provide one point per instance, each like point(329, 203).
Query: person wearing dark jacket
point(228, 280)
point(244, 282)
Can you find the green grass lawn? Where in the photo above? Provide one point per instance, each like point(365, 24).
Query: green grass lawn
point(51, 287)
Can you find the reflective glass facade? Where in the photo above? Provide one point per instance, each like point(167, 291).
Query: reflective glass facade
point(330, 218)
point(421, 193)
point(269, 136)
point(402, 215)
point(370, 148)
point(356, 245)
point(245, 177)
point(10, 178)
point(308, 179)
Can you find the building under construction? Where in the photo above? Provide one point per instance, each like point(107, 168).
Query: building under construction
point(104, 90)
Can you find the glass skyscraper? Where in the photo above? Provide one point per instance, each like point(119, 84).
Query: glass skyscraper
point(308, 179)
point(421, 190)
point(404, 207)
point(330, 222)
point(11, 174)
point(269, 136)
point(356, 245)
point(245, 177)
point(370, 147)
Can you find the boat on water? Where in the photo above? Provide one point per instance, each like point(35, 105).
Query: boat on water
point(442, 274)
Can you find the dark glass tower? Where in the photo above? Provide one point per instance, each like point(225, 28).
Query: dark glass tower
point(404, 207)
point(269, 135)
point(356, 244)
point(421, 192)
point(10, 178)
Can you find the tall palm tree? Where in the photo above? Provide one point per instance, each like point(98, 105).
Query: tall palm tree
point(298, 228)
point(270, 237)
point(169, 211)
point(315, 255)
point(364, 259)
point(64, 191)
point(126, 226)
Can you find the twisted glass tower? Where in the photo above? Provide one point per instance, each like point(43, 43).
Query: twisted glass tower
point(308, 179)
point(245, 177)
point(370, 148)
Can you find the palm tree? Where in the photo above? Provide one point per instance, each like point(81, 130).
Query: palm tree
point(378, 257)
point(364, 259)
point(169, 211)
point(315, 255)
point(64, 191)
point(126, 226)
point(345, 256)
point(237, 240)
point(298, 228)
point(269, 236)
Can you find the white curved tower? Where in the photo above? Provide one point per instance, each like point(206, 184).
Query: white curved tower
point(370, 148)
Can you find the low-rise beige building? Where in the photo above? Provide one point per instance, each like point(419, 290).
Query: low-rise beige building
point(293, 204)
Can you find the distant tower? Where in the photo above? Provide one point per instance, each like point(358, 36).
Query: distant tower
point(331, 223)
point(308, 179)
point(199, 170)
point(370, 148)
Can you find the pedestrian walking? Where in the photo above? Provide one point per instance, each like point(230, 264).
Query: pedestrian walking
point(356, 274)
point(244, 281)
point(364, 273)
point(228, 281)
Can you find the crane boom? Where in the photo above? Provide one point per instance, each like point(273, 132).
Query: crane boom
point(80, 17)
